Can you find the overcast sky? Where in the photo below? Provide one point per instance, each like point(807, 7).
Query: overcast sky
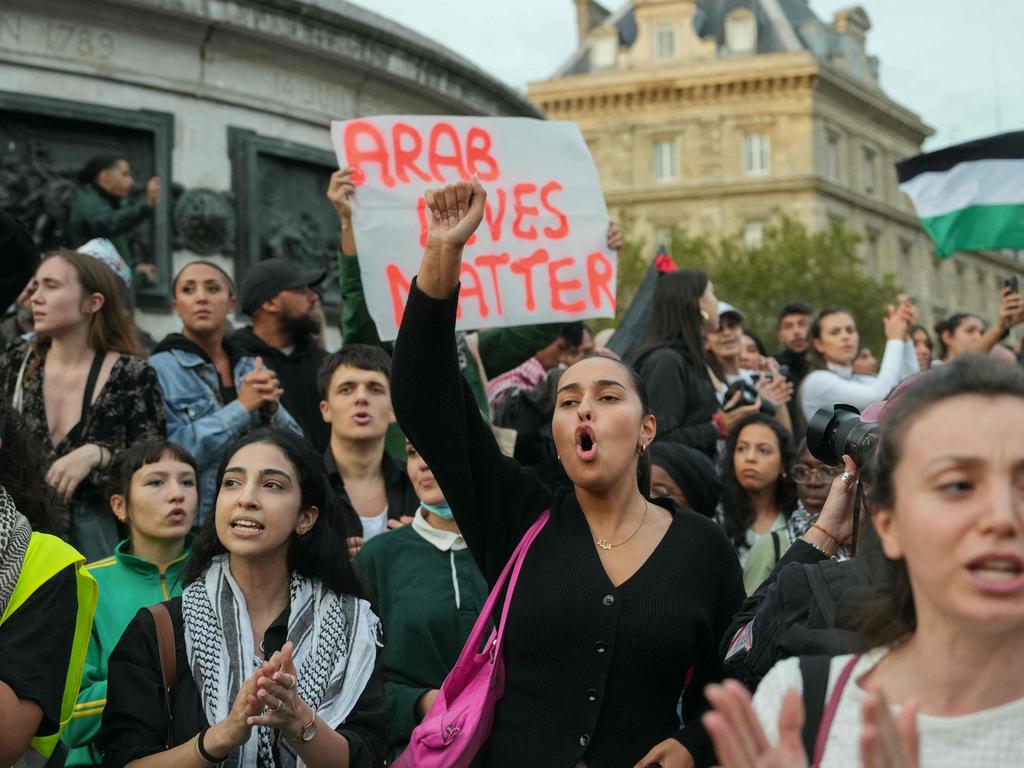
point(958, 63)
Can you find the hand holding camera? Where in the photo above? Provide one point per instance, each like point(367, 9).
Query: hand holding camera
point(1011, 305)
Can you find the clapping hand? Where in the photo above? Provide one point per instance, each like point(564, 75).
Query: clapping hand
point(260, 389)
point(900, 318)
point(739, 740)
point(277, 689)
point(885, 742)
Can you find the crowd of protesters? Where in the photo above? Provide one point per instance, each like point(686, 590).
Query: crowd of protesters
point(238, 547)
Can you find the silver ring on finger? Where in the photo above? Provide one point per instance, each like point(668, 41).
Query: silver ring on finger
point(277, 706)
point(847, 478)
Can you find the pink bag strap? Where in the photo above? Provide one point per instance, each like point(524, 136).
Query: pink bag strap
point(519, 556)
point(830, 710)
point(513, 566)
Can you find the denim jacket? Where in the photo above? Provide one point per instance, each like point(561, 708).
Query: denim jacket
point(198, 421)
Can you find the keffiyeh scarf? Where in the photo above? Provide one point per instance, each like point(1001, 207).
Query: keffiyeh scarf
point(335, 638)
point(15, 532)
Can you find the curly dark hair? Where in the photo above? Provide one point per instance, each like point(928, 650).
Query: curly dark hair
point(22, 474)
point(737, 509)
point(321, 553)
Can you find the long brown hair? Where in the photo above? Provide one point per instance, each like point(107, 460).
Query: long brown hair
point(110, 327)
point(893, 615)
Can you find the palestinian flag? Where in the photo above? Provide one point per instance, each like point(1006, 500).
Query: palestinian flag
point(970, 196)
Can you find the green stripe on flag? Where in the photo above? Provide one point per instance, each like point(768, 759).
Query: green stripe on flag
point(977, 227)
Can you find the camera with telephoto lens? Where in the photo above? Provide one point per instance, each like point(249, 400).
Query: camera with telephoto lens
point(748, 396)
point(838, 432)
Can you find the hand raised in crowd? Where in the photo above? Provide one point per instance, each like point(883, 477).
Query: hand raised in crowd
point(339, 192)
point(734, 415)
point(899, 320)
point(1011, 309)
point(453, 214)
point(233, 731)
point(614, 236)
point(72, 468)
point(401, 522)
point(739, 740)
point(152, 191)
point(277, 688)
point(260, 389)
point(668, 754)
point(885, 742)
point(149, 270)
point(834, 526)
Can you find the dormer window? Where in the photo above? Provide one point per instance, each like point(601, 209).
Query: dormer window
point(665, 40)
point(741, 32)
point(603, 50)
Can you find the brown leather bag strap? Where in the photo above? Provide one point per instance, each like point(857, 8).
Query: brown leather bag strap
point(168, 657)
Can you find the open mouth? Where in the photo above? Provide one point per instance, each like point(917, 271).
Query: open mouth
point(997, 573)
point(362, 419)
point(586, 443)
point(247, 527)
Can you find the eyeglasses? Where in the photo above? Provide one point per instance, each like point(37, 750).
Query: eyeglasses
point(802, 474)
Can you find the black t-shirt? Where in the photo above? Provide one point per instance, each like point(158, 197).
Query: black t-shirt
point(135, 717)
point(35, 646)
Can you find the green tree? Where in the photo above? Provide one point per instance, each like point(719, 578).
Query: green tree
point(822, 268)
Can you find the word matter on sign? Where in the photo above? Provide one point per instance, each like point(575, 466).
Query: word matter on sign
point(538, 256)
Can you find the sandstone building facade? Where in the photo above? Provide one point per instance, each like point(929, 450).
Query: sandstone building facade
point(720, 116)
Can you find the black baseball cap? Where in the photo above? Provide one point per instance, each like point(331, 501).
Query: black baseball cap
point(267, 278)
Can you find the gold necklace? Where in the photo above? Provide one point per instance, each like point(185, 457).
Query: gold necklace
point(606, 545)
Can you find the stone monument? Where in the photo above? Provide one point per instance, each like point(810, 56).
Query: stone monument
point(228, 101)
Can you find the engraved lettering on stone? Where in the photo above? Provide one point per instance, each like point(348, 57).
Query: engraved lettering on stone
point(76, 40)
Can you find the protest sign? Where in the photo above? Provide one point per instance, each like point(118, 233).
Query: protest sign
point(540, 254)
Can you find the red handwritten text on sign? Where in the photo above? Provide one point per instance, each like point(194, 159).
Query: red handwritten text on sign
point(539, 253)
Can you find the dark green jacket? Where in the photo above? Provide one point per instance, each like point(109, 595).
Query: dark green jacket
point(126, 584)
point(428, 599)
point(94, 213)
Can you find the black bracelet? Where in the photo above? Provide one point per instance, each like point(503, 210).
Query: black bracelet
point(202, 749)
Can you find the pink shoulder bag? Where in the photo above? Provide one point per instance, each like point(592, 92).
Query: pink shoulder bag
point(460, 720)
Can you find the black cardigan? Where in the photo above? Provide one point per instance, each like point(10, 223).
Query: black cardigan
point(681, 396)
point(135, 716)
point(593, 672)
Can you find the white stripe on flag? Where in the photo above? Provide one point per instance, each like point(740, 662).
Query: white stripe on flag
point(979, 182)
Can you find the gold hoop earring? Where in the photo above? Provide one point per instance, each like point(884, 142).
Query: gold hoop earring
point(641, 449)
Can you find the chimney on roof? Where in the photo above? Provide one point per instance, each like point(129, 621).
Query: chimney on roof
point(582, 18)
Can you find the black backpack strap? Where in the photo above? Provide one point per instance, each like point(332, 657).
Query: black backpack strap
point(777, 545)
point(814, 670)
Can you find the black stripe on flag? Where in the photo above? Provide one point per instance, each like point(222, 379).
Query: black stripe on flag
point(1005, 146)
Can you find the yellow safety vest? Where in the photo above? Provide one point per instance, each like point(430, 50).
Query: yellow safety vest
point(45, 558)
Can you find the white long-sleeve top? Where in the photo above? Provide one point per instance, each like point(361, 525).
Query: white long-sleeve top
point(839, 384)
point(989, 738)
